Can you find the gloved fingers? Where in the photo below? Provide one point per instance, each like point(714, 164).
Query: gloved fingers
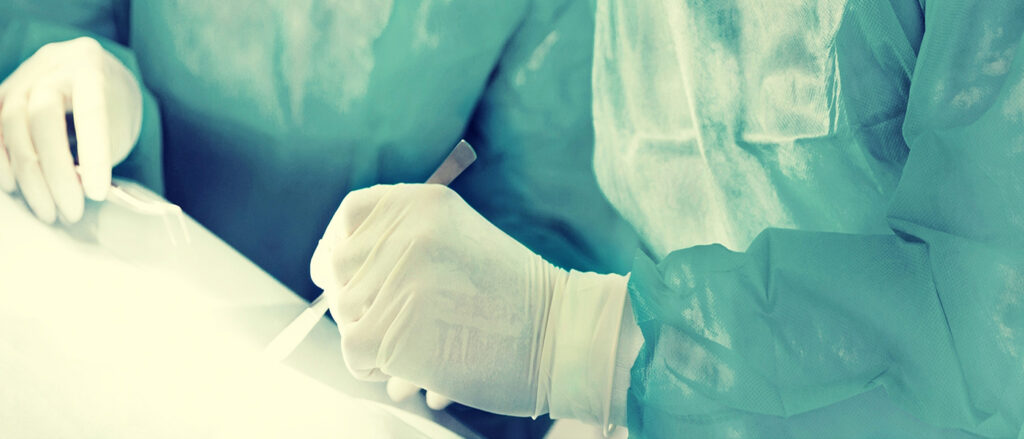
point(371, 375)
point(24, 160)
point(437, 401)
point(92, 128)
point(351, 262)
point(354, 210)
point(340, 309)
point(375, 267)
point(360, 265)
point(360, 344)
point(125, 102)
point(347, 265)
point(321, 269)
point(348, 259)
point(363, 373)
point(48, 131)
point(399, 390)
point(7, 182)
point(369, 253)
point(31, 68)
point(348, 308)
point(7, 176)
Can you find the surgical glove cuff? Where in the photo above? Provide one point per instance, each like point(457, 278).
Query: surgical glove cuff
point(582, 339)
point(630, 342)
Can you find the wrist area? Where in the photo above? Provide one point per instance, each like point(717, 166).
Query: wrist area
point(631, 340)
point(580, 346)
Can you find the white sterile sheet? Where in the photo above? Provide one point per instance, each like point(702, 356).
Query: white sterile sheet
point(110, 330)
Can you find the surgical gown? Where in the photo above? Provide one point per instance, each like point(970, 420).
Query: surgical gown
point(272, 111)
point(830, 194)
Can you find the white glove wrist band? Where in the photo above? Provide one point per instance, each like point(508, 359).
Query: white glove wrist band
point(580, 345)
point(630, 342)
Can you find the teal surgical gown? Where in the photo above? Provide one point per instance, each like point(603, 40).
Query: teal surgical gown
point(261, 116)
point(830, 194)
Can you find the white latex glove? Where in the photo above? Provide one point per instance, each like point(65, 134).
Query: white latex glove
point(80, 77)
point(425, 289)
point(399, 390)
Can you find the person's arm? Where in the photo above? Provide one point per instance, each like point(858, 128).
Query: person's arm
point(28, 27)
point(933, 314)
point(427, 290)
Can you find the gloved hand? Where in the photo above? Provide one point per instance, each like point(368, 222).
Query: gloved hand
point(425, 289)
point(399, 390)
point(77, 76)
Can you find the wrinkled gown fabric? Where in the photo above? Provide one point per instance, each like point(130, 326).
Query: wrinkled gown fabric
point(830, 198)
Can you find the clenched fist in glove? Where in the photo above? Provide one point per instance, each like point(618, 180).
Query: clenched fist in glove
point(425, 289)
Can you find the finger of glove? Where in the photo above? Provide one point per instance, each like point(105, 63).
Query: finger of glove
point(349, 256)
point(92, 128)
point(382, 237)
point(7, 182)
point(348, 306)
point(360, 344)
point(35, 66)
point(363, 373)
point(364, 267)
point(437, 401)
point(24, 160)
point(383, 267)
point(370, 375)
point(354, 343)
point(321, 268)
point(399, 390)
point(125, 104)
point(48, 130)
point(353, 211)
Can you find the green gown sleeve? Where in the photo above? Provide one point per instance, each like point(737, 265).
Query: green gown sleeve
point(27, 26)
point(533, 128)
point(930, 318)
